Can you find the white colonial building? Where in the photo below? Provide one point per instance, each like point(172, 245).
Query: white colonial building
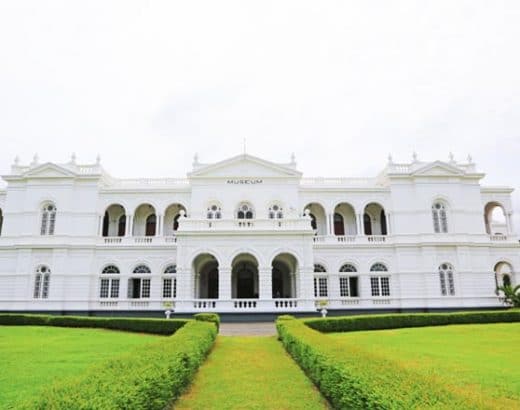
point(247, 235)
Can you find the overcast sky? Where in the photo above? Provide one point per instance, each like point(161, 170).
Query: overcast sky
point(342, 84)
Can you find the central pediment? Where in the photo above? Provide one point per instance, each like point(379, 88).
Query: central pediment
point(245, 166)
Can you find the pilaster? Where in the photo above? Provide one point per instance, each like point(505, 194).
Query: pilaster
point(265, 279)
point(224, 283)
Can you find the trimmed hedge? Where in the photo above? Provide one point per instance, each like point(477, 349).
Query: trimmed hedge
point(149, 377)
point(359, 379)
point(208, 317)
point(394, 321)
point(154, 326)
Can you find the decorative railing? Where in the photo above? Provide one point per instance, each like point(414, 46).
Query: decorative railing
point(189, 224)
point(285, 303)
point(350, 239)
point(205, 304)
point(245, 303)
point(498, 238)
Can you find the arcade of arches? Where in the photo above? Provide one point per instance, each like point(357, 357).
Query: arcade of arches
point(245, 280)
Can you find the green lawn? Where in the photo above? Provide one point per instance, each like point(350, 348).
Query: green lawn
point(250, 373)
point(475, 360)
point(31, 357)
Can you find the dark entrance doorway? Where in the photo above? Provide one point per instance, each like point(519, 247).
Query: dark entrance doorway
point(245, 277)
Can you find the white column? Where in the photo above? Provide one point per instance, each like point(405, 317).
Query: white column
point(387, 220)
point(330, 231)
point(509, 222)
point(361, 230)
point(224, 283)
point(185, 284)
point(265, 279)
point(158, 226)
point(100, 225)
point(334, 286)
point(129, 225)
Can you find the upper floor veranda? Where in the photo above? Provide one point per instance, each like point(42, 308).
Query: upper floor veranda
point(406, 203)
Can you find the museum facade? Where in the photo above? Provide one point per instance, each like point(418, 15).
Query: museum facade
point(247, 235)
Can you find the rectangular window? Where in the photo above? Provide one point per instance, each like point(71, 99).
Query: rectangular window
point(45, 288)
point(114, 288)
point(103, 290)
point(169, 288)
point(344, 290)
point(320, 287)
point(37, 286)
point(145, 289)
point(380, 285)
point(348, 286)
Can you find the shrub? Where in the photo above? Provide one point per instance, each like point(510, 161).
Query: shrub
point(361, 379)
point(154, 326)
point(208, 317)
point(285, 317)
point(393, 321)
point(149, 377)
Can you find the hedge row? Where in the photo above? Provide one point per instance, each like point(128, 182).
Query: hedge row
point(208, 317)
point(149, 377)
point(394, 321)
point(360, 379)
point(154, 326)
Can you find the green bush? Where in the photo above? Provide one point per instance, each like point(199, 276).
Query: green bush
point(208, 317)
point(149, 377)
point(394, 321)
point(360, 379)
point(285, 317)
point(154, 326)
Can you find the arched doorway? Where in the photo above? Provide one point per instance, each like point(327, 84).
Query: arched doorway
point(503, 274)
point(495, 219)
point(205, 267)
point(244, 277)
point(284, 269)
point(318, 218)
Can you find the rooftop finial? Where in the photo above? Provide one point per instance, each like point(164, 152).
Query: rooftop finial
point(244, 146)
point(98, 159)
point(73, 158)
point(293, 158)
point(195, 159)
point(452, 158)
point(470, 159)
point(414, 156)
point(390, 159)
point(17, 160)
point(35, 160)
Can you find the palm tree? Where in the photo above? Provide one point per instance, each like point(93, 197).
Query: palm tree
point(511, 294)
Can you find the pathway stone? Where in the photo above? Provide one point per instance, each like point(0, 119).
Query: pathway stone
point(248, 329)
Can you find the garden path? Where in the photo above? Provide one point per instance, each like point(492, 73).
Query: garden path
point(250, 372)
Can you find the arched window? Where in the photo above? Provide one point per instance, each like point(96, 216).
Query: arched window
point(440, 219)
point(348, 267)
point(367, 224)
point(446, 279)
point(214, 212)
point(379, 285)
point(378, 267)
point(170, 282)
point(321, 285)
point(319, 268)
point(275, 212)
point(314, 224)
point(339, 224)
point(139, 287)
point(151, 223)
point(48, 219)
point(42, 282)
point(384, 229)
point(1, 221)
point(106, 222)
point(109, 285)
point(348, 284)
point(245, 211)
point(142, 269)
point(176, 222)
point(121, 226)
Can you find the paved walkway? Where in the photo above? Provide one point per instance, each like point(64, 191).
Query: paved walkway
point(248, 329)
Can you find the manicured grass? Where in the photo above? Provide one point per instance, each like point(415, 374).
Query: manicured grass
point(32, 357)
point(250, 373)
point(471, 360)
